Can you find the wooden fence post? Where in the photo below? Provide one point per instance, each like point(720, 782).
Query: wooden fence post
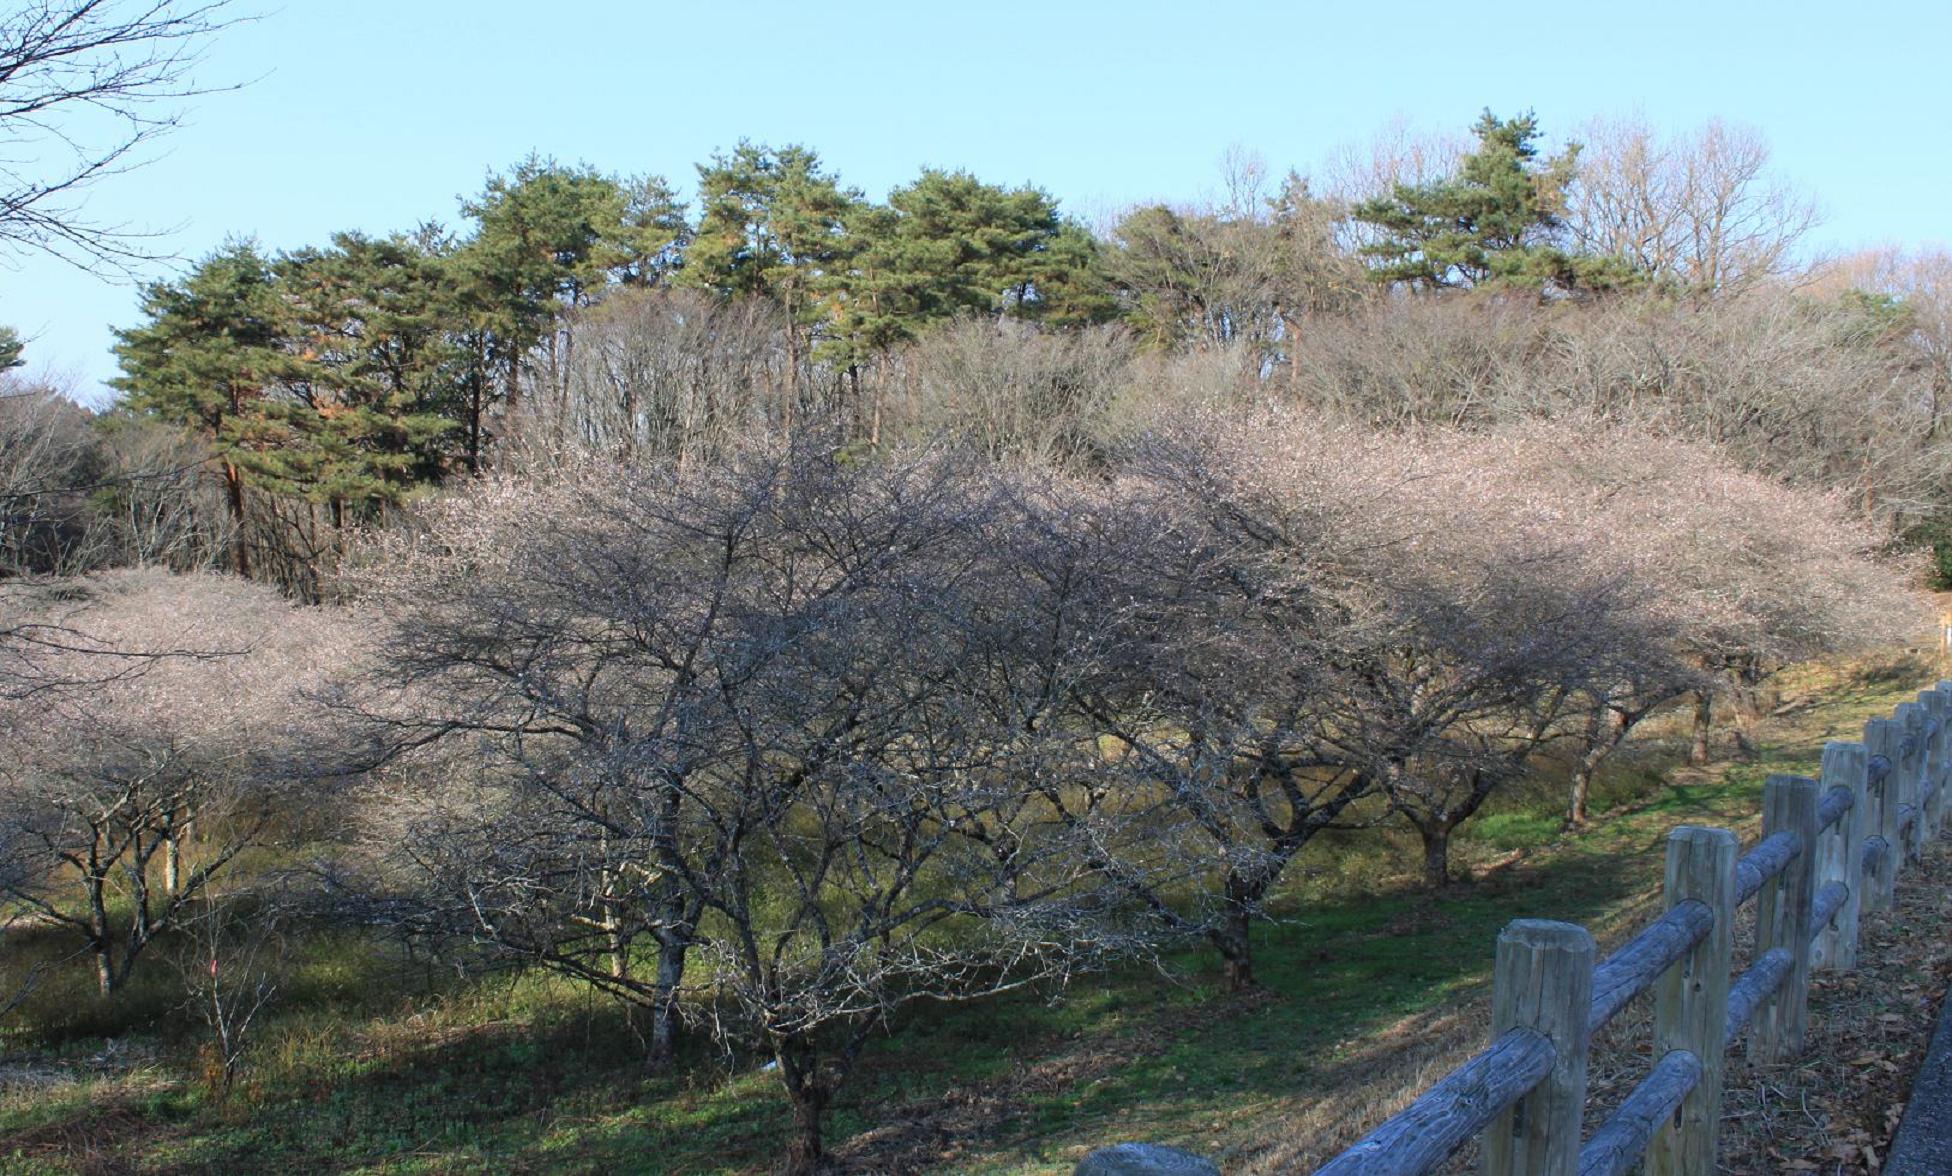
point(1840, 853)
point(1691, 1000)
point(1543, 980)
point(1938, 704)
point(1782, 919)
point(1883, 737)
point(1911, 789)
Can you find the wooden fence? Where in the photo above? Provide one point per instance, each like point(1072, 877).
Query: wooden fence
point(1831, 849)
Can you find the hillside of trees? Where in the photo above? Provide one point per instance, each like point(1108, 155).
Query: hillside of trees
point(782, 610)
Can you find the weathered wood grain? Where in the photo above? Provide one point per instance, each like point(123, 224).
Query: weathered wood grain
point(1691, 1000)
point(1636, 964)
point(1426, 1132)
point(1840, 853)
point(1883, 737)
point(1783, 919)
point(1617, 1146)
point(1543, 981)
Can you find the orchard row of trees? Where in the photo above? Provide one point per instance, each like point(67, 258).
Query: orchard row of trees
point(775, 745)
point(1649, 278)
point(780, 610)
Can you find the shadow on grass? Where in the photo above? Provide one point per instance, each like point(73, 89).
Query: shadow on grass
point(1161, 1056)
point(568, 1094)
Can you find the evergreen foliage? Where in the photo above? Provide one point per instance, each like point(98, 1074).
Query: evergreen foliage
point(1497, 221)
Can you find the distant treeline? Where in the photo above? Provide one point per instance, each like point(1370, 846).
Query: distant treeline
point(272, 404)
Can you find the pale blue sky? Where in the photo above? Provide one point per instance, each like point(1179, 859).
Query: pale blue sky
point(376, 114)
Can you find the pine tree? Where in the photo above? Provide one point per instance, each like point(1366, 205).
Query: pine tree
point(951, 244)
point(207, 359)
point(376, 391)
point(1497, 221)
point(772, 223)
point(547, 238)
point(10, 349)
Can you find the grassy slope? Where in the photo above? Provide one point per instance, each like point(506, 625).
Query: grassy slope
point(1367, 995)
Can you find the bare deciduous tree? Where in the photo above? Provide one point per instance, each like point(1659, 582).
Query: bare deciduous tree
point(762, 714)
point(48, 463)
point(85, 87)
point(667, 372)
point(125, 800)
point(1017, 392)
point(231, 955)
point(1702, 210)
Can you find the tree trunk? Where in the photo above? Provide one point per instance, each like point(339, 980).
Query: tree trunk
point(104, 970)
point(617, 948)
point(664, 1002)
point(805, 1150)
point(234, 497)
point(173, 863)
point(1232, 937)
point(1236, 951)
point(1436, 854)
point(99, 934)
point(1704, 717)
point(1604, 732)
point(475, 381)
point(1745, 689)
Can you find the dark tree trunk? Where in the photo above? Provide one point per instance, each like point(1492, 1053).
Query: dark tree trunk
point(1236, 951)
point(806, 1152)
point(1436, 854)
point(1604, 732)
point(1704, 717)
point(234, 496)
point(664, 1003)
point(1232, 938)
point(475, 381)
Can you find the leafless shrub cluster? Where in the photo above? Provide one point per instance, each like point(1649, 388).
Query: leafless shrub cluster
point(192, 742)
point(789, 740)
point(1013, 391)
point(1768, 379)
point(47, 452)
point(760, 724)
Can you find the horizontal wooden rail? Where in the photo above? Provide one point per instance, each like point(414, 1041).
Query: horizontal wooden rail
point(1638, 962)
point(1757, 983)
point(1826, 904)
point(1829, 850)
point(1617, 1146)
point(1767, 859)
point(1875, 850)
point(1451, 1112)
point(1836, 805)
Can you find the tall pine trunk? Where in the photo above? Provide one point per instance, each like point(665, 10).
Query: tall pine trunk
point(234, 499)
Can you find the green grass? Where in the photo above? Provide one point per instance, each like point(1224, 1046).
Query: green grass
point(380, 1067)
